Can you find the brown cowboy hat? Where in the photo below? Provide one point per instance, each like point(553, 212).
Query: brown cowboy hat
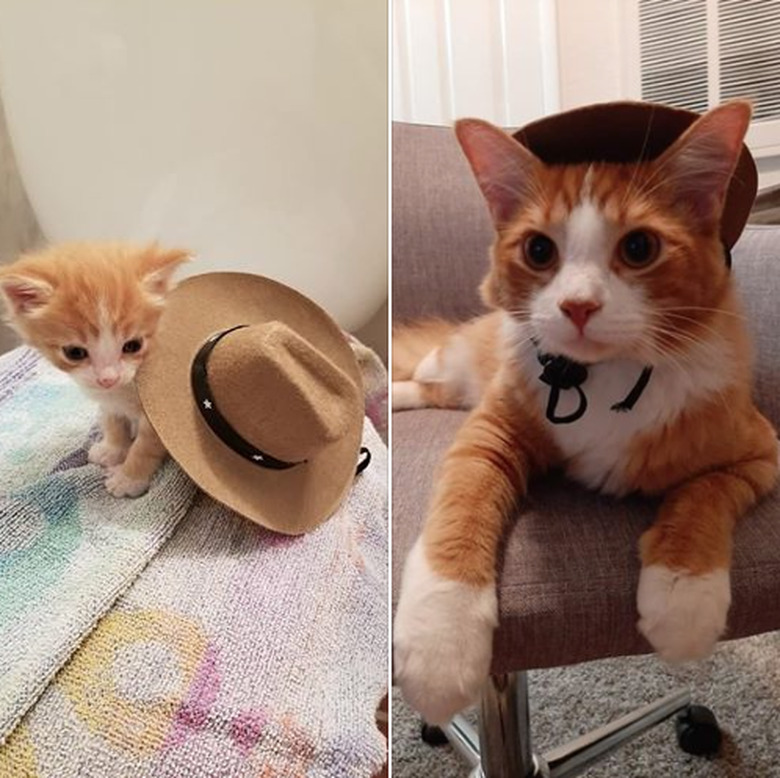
point(256, 393)
point(627, 132)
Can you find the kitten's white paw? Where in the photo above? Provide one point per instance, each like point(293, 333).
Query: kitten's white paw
point(106, 455)
point(120, 485)
point(443, 640)
point(683, 615)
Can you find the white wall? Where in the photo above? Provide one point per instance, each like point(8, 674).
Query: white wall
point(19, 229)
point(589, 40)
point(254, 134)
point(494, 59)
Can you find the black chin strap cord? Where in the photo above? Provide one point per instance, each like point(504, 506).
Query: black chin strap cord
point(635, 393)
point(365, 460)
point(561, 373)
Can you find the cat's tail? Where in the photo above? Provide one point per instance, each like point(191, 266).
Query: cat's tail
point(442, 364)
point(414, 341)
point(417, 350)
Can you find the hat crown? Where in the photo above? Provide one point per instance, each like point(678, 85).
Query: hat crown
point(625, 132)
point(279, 392)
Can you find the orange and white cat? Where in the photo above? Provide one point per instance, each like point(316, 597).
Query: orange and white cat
point(92, 310)
point(617, 269)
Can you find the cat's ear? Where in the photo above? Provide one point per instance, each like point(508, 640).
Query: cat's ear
point(24, 294)
point(700, 163)
point(505, 170)
point(156, 267)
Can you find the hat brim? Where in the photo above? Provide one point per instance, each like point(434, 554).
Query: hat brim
point(624, 132)
point(290, 501)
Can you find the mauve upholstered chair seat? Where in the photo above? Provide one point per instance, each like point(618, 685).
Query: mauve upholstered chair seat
point(570, 567)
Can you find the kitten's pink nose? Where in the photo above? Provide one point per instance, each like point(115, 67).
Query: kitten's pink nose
point(108, 381)
point(579, 311)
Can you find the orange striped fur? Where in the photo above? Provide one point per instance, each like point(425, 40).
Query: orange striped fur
point(616, 302)
point(98, 297)
point(82, 279)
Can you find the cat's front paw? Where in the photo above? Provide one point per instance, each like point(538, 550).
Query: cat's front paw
point(443, 640)
point(683, 615)
point(120, 484)
point(104, 454)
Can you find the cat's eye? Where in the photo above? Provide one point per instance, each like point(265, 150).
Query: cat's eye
point(638, 248)
point(75, 353)
point(132, 346)
point(539, 251)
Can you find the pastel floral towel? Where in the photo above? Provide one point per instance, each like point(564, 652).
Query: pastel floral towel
point(67, 548)
point(236, 652)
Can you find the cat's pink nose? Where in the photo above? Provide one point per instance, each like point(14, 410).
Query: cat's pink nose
point(579, 311)
point(107, 381)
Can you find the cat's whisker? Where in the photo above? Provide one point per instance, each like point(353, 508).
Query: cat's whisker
point(522, 343)
point(694, 322)
point(663, 181)
point(703, 309)
point(658, 172)
point(679, 336)
point(679, 359)
point(665, 354)
point(719, 391)
point(640, 161)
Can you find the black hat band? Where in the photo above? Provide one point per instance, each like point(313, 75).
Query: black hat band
point(217, 423)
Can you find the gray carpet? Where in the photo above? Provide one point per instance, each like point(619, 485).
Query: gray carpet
point(741, 684)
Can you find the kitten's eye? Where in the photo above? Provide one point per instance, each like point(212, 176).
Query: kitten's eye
point(639, 248)
point(540, 251)
point(132, 346)
point(75, 353)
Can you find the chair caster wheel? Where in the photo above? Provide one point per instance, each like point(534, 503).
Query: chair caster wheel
point(432, 735)
point(698, 732)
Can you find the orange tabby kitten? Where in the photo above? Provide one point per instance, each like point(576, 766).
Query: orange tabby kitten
point(618, 268)
point(92, 309)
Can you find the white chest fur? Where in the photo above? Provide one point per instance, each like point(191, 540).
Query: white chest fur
point(120, 402)
point(596, 445)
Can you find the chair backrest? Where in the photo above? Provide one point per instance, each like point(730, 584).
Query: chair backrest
point(442, 234)
point(756, 264)
point(441, 227)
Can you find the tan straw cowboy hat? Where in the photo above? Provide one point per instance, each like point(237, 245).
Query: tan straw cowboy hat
point(629, 132)
point(256, 393)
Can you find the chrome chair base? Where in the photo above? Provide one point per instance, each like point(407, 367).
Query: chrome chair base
point(503, 747)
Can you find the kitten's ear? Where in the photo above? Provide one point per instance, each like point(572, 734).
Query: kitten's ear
point(157, 266)
point(505, 170)
point(700, 163)
point(24, 294)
